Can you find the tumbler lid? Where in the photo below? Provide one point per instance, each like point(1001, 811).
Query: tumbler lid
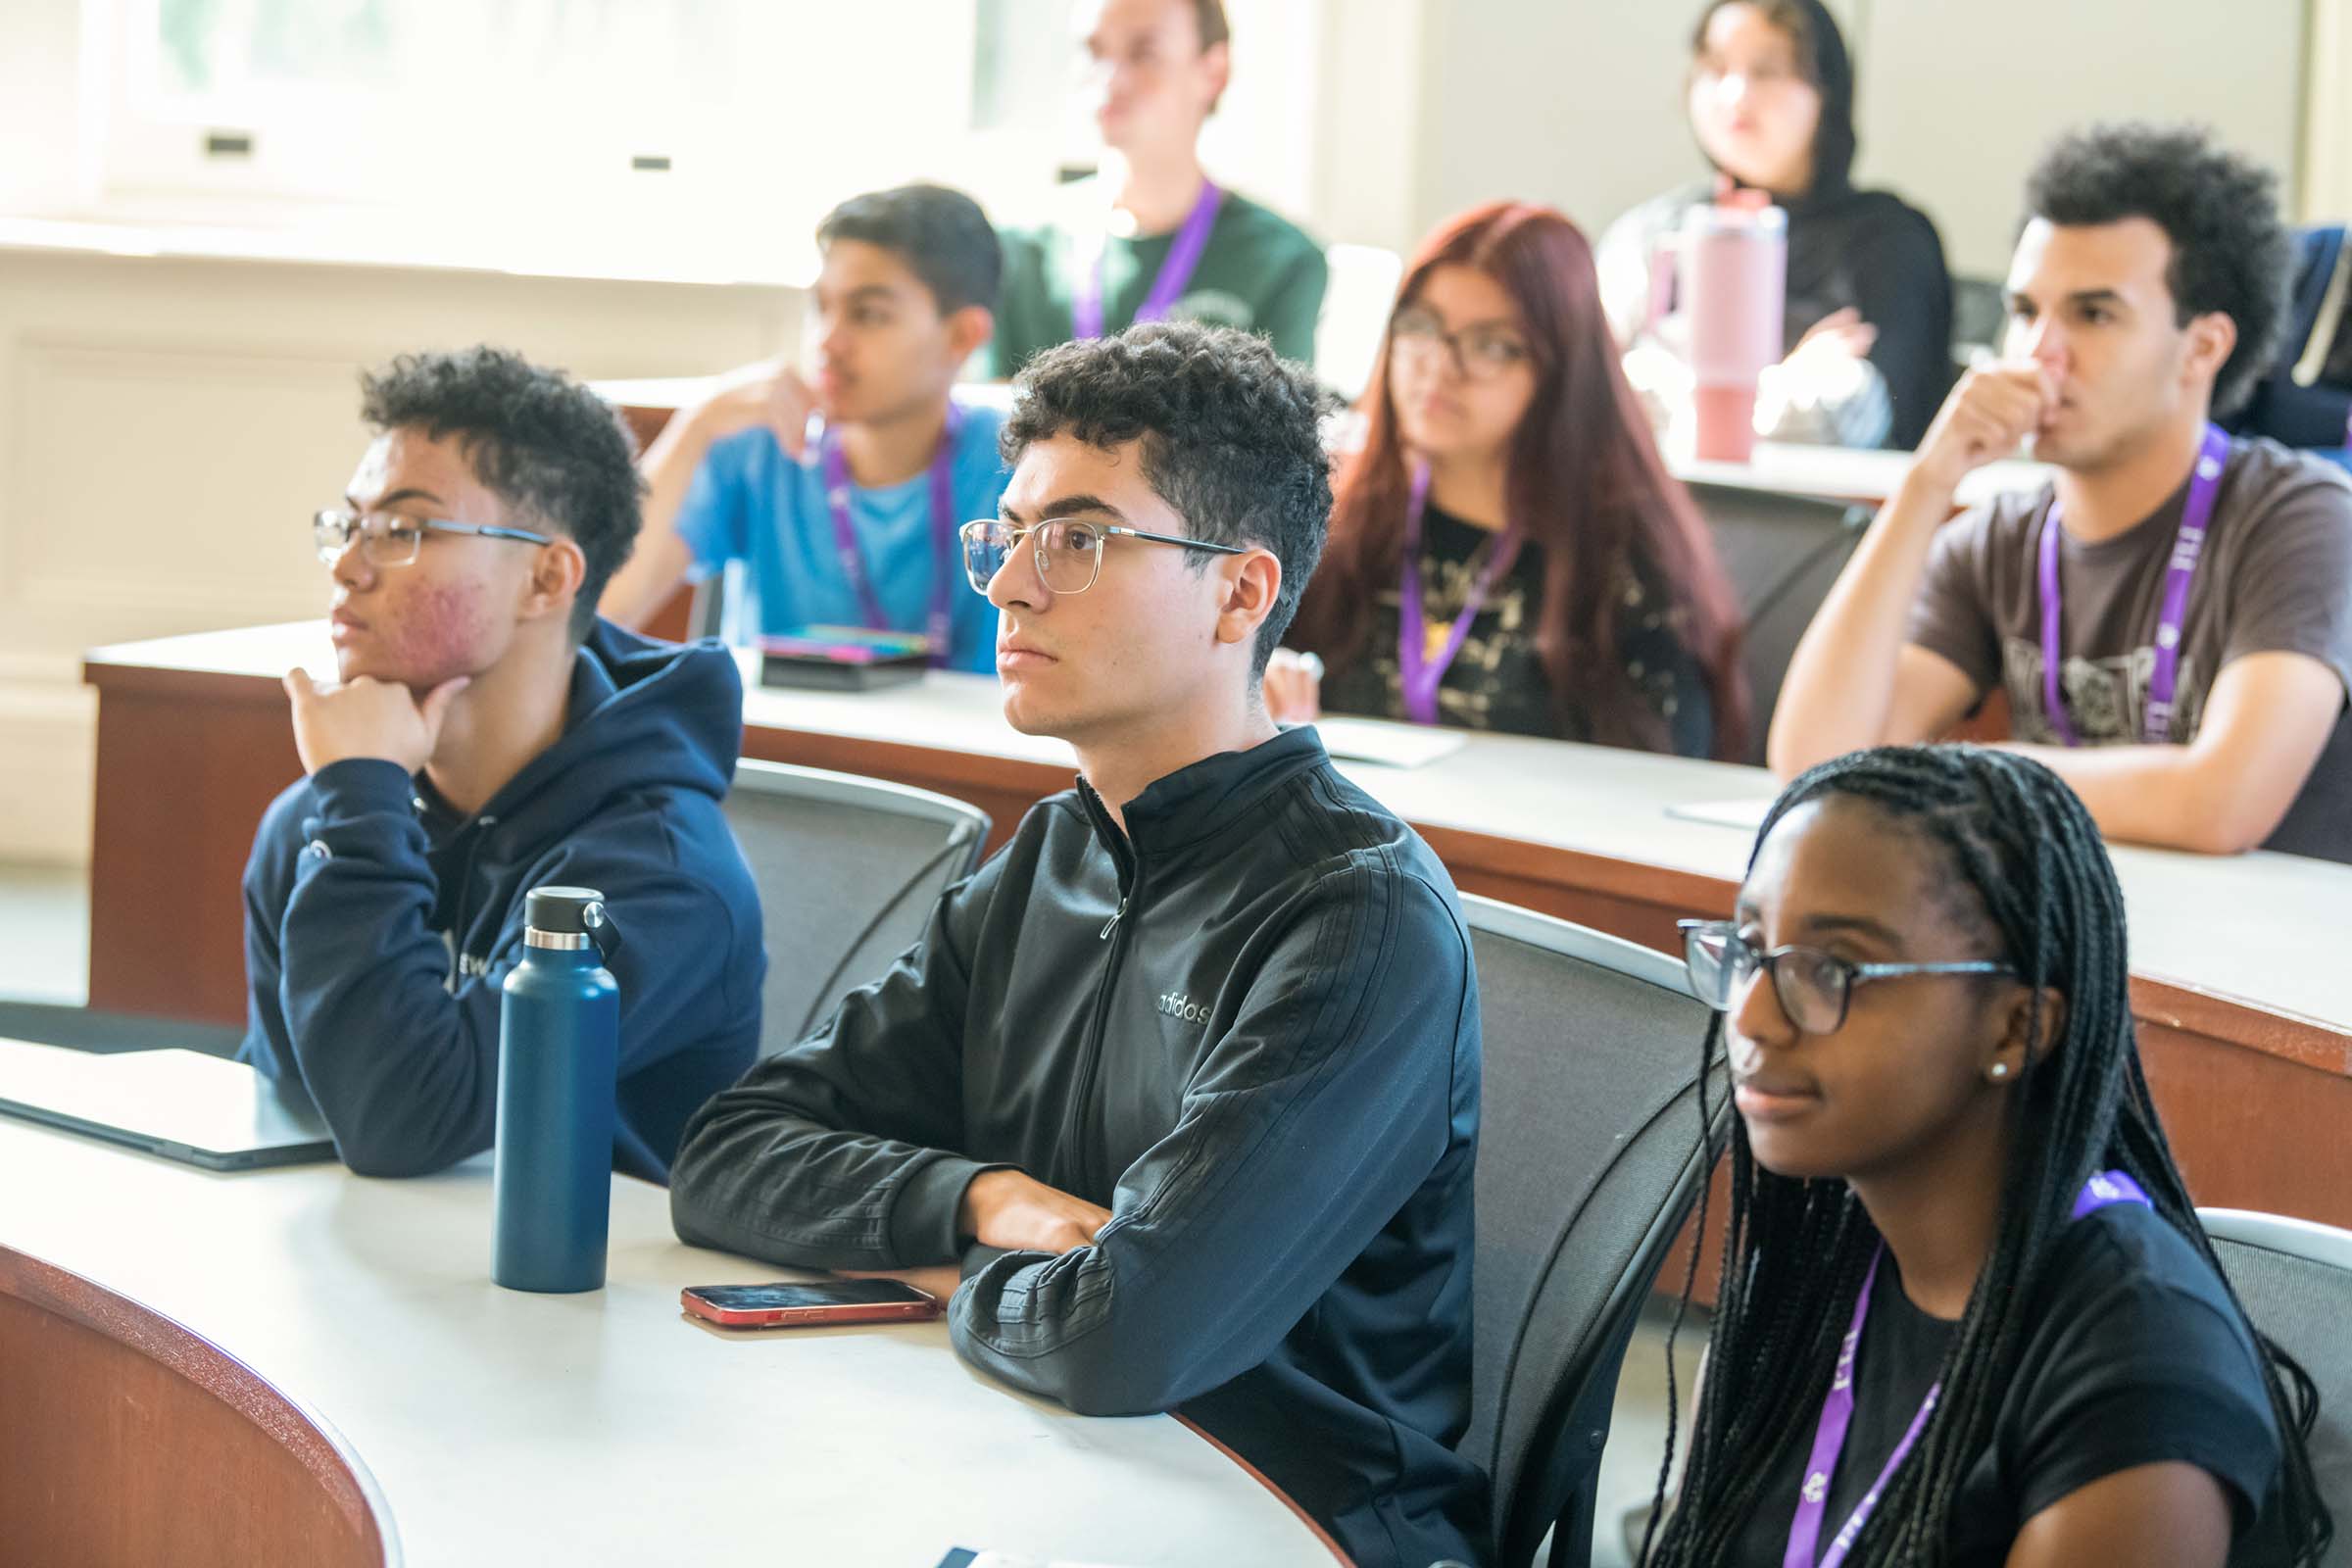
point(564, 911)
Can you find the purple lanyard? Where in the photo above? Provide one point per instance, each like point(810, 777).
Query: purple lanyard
point(1420, 668)
point(943, 534)
point(1838, 1410)
point(1175, 272)
point(2156, 724)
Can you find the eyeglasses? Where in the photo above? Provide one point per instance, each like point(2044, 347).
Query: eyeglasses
point(387, 539)
point(1480, 353)
point(1814, 986)
point(1069, 553)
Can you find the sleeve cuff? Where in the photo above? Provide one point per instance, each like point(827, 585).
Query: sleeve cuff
point(362, 786)
point(922, 1216)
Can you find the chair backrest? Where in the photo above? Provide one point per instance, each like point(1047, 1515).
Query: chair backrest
point(1781, 552)
point(1361, 292)
point(2295, 1279)
point(848, 869)
point(1589, 1159)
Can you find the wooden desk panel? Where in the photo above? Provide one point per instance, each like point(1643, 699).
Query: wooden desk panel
point(130, 1440)
point(188, 763)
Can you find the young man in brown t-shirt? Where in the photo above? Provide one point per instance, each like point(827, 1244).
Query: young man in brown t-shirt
point(2144, 295)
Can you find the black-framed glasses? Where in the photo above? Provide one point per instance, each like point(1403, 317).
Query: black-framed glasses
point(387, 539)
point(1069, 553)
point(1480, 353)
point(1815, 988)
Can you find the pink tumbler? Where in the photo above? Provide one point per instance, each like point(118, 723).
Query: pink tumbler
point(1734, 287)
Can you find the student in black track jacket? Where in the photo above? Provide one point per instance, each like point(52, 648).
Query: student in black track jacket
point(1178, 1096)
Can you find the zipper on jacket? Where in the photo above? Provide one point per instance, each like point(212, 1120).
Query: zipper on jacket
point(1114, 931)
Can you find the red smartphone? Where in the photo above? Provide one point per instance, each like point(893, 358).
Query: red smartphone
point(817, 1305)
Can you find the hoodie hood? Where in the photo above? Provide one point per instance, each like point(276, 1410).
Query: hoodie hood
point(643, 716)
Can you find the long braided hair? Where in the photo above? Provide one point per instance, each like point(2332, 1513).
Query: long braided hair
point(1796, 1250)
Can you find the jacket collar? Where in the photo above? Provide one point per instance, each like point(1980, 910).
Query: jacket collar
point(1206, 797)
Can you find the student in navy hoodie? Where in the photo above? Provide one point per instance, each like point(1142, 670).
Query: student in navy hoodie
point(490, 735)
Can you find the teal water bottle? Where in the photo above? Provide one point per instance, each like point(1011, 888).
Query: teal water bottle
point(559, 1046)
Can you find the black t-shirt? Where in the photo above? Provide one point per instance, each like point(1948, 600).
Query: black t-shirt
point(2135, 1357)
point(1497, 681)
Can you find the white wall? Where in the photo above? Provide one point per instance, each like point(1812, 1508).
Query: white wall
point(1578, 102)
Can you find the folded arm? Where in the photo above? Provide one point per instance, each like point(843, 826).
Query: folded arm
point(2267, 719)
point(1329, 1101)
point(840, 1152)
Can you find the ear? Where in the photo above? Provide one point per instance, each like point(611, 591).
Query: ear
point(554, 581)
point(2211, 338)
point(2021, 1039)
point(1251, 586)
point(1216, 63)
point(968, 329)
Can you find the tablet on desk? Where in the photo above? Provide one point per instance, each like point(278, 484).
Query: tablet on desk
point(181, 1104)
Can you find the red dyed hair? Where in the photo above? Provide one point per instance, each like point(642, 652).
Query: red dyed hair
point(1586, 482)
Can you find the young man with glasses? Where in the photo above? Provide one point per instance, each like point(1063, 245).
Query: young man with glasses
point(1176, 1101)
point(489, 735)
point(2171, 619)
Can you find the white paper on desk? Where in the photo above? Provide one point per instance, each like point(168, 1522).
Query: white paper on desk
point(1747, 815)
point(998, 1559)
point(1370, 740)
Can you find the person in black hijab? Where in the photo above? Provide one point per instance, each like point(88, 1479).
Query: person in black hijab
point(1870, 304)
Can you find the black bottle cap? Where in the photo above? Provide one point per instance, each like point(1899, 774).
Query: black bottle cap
point(563, 911)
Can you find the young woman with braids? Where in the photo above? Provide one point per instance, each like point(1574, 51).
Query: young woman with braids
point(1967, 1316)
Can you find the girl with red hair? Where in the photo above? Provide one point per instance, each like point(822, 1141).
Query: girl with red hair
point(1508, 550)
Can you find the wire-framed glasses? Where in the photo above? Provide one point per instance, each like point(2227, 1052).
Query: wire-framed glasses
point(1815, 988)
point(1069, 553)
point(1480, 352)
point(388, 539)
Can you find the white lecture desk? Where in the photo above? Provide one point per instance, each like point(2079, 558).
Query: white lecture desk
point(294, 1365)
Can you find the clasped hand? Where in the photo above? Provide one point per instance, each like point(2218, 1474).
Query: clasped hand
point(367, 717)
point(1013, 1212)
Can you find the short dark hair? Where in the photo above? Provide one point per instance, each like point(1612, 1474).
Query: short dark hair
point(2231, 252)
point(541, 442)
point(942, 235)
point(1231, 437)
point(1214, 28)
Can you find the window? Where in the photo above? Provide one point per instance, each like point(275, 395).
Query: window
point(695, 136)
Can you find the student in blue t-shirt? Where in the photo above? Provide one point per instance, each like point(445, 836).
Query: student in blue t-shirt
point(907, 295)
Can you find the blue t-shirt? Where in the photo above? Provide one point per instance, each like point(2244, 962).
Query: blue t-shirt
point(751, 502)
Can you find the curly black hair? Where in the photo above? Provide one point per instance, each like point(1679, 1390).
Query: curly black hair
point(541, 442)
point(2231, 252)
point(941, 234)
point(1231, 437)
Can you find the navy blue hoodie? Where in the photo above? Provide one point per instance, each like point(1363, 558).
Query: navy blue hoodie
point(379, 924)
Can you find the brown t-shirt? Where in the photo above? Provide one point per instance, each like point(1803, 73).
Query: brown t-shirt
point(2276, 577)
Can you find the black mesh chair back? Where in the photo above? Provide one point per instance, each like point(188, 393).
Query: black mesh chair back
point(1781, 552)
point(848, 869)
point(1588, 1160)
point(2295, 1279)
